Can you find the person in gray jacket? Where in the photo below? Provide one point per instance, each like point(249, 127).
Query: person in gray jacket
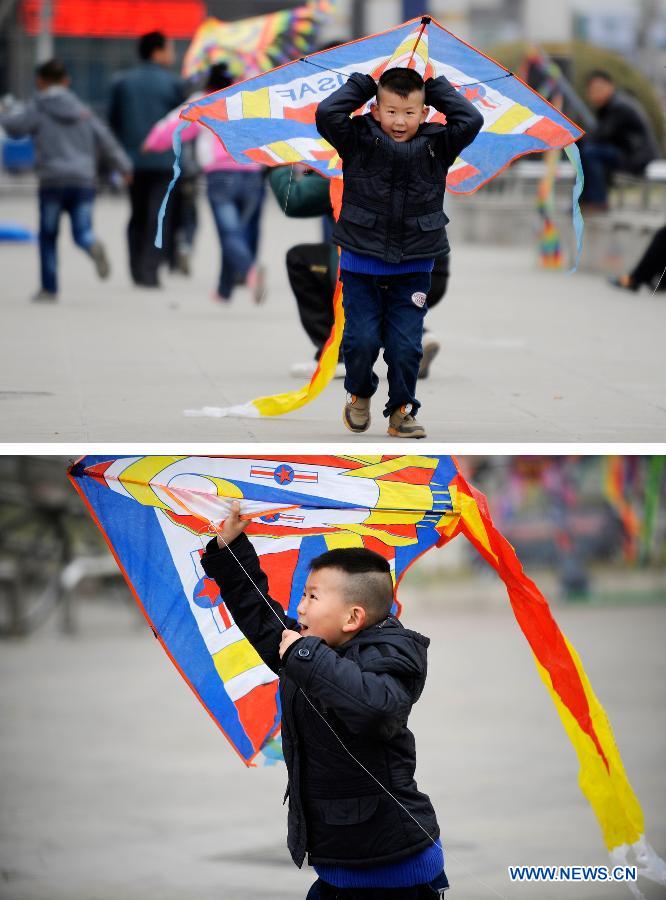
point(68, 139)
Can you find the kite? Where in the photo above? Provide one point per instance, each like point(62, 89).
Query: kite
point(254, 45)
point(270, 119)
point(157, 514)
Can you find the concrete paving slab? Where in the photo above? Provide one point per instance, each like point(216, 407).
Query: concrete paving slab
point(526, 355)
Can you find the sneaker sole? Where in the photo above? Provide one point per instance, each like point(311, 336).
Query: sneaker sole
point(394, 432)
point(101, 261)
point(348, 425)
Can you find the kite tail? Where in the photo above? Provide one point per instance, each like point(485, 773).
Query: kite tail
point(279, 404)
point(176, 172)
point(573, 153)
point(550, 251)
point(601, 775)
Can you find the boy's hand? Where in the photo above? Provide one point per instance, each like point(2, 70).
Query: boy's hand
point(288, 638)
point(232, 526)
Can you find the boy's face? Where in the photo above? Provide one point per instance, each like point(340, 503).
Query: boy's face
point(324, 612)
point(399, 117)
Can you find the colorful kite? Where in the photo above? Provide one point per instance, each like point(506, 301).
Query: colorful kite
point(270, 119)
point(255, 45)
point(157, 514)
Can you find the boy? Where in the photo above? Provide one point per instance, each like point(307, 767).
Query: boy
point(348, 681)
point(68, 138)
point(391, 226)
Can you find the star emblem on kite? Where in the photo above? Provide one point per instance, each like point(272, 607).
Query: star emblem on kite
point(284, 474)
point(207, 593)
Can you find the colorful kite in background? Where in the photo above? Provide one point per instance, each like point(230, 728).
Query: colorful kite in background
point(625, 479)
point(544, 75)
point(255, 45)
point(270, 119)
point(157, 514)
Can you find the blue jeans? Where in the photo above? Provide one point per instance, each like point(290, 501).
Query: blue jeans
point(53, 201)
point(235, 198)
point(384, 311)
point(599, 160)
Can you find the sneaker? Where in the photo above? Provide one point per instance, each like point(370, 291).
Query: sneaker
point(101, 260)
point(256, 281)
point(403, 424)
point(430, 350)
point(181, 264)
point(307, 369)
point(356, 414)
point(624, 282)
point(43, 296)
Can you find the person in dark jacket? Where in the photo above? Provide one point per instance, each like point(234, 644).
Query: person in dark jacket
point(349, 676)
point(69, 139)
point(139, 98)
point(391, 226)
point(622, 141)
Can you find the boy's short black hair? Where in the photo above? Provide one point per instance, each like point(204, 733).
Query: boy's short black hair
point(402, 82)
point(149, 43)
point(52, 72)
point(599, 73)
point(369, 581)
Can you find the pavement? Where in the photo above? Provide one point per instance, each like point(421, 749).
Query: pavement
point(527, 355)
point(115, 783)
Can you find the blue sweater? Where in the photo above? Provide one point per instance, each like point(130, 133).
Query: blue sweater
point(420, 868)
point(372, 265)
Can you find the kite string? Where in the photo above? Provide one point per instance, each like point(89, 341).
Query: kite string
point(463, 84)
point(321, 716)
point(286, 202)
point(493, 890)
point(661, 277)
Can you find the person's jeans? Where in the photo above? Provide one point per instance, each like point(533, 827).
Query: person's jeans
point(599, 160)
point(320, 890)
point(53, 201)
point(234, 199)
point(384, 311)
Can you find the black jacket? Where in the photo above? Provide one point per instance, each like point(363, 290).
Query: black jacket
point(623, 123)
point(392, 205)
point(364, 690)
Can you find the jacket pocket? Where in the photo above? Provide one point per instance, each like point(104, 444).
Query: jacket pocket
point(357, 215)
point(345, 811)
point(433, 221)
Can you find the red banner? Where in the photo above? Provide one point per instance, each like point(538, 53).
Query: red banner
point(116, 18)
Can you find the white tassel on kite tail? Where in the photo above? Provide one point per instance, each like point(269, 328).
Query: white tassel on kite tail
point(243, 410)
point(646, 860)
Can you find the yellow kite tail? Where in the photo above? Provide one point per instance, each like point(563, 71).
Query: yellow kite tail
point(601, 775)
